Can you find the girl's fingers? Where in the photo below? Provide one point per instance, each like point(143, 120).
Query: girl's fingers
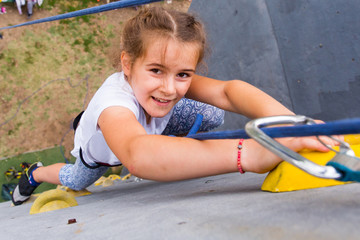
point(300, 143)
point(334, 141)
point(259, 159)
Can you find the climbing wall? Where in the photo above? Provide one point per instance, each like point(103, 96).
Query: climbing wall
point(306, 54)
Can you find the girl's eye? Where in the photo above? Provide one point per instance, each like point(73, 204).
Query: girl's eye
point(155, 70)
point(183, 75)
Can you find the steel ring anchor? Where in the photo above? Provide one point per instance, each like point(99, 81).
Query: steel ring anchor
point(334, 168)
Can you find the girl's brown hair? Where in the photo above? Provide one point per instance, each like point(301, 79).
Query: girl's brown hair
point(158, 22)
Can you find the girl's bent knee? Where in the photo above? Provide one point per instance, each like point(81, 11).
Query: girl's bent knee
point(78, 177)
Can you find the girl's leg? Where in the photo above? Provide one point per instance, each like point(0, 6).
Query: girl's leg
point(78, 176)
point(49, 174)
point(75, 176)
point(184, 115)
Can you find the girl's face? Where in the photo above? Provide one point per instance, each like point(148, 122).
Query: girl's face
point(162, 76)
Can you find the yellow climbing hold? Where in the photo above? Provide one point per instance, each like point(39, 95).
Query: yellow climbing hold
point(285, 177)
point(108, 181)
point(99, 181)
point(52, 200)
point(104, 181)
point(74, 193)
point(114, 177)
point(127, 176)
point(352, 139)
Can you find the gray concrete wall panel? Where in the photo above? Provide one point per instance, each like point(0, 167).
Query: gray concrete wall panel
point(306, 54)
point(243, 47)
point(320, 51)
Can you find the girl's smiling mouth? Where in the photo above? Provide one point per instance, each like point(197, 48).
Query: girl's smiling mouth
point(160, 100)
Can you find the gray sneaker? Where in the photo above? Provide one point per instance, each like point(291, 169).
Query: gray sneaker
point(24, 189)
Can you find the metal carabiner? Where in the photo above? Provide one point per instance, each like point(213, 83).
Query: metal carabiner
point(252, 128)
point(345, 156)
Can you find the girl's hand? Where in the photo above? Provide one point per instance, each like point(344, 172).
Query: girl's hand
point(328, 140)
point(256, 158)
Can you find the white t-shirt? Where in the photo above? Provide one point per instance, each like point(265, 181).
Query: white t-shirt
point(115, 91)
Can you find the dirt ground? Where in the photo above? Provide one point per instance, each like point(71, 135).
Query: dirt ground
point(47, 132)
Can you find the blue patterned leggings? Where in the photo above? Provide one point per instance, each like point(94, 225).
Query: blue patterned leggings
point(77, 176)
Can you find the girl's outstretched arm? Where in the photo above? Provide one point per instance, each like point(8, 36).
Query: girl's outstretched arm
point(235, 96)
point(164, 158)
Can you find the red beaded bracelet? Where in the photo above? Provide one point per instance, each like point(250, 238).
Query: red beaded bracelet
point(239, 156)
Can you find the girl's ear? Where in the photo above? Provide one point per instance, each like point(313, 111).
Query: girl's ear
point(126, 63)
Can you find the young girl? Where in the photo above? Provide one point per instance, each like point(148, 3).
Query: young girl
point(124, 122)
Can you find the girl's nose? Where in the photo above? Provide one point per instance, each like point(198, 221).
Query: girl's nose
point(168, 86)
